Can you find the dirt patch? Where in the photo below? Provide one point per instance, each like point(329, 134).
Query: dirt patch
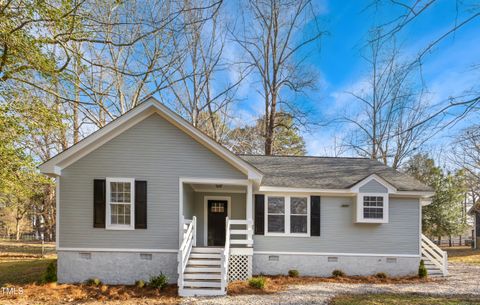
point(281, 282)
point(63, 294)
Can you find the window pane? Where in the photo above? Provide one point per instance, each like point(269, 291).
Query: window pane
point(120, 214)
point(372, 201)
point(121, 219)
point(276, 205)
point(276, 223)
point(373, 207)
point(298, 224)
point(126, 197)
point(375, 213)
point(119, 187)
point(113, 186)
point(298, 205)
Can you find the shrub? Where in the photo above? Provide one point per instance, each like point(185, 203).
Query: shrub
point(257, 282)
point(381, 275)
point(293, 273)
point(93, 282)
point(338, 273)
point(51, 273)
point(422, 271)
point(140, 283)
point(159, 281)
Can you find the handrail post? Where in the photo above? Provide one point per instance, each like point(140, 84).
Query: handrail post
point(445, 263)
point(182, 230)
point(194, 237)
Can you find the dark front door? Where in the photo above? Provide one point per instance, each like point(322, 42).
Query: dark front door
point(217, 212)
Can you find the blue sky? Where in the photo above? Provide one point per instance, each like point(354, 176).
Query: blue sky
point(446, 71)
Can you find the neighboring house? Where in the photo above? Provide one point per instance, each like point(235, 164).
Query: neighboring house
point(475, 213)
point(149, 193)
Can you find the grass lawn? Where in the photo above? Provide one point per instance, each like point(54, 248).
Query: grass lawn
point(21, 272)
point(21, 262)
point(401, 299)
point(463, 255)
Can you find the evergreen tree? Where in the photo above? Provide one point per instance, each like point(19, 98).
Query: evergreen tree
point(443, 217)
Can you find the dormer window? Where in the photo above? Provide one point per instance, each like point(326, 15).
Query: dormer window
point(372, 199)
point(372, 208)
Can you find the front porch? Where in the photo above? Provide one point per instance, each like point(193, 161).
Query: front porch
point(216, 235)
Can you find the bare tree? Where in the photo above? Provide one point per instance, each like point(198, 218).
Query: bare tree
point(272, 40)
point(466, 155)
point(392, 104)
point(201, 92)
point(466, 14)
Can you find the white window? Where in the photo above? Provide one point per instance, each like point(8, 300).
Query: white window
point(120, 203)
point(299, 215)
point(372, 208)
point(276, 214)
point(287, 215)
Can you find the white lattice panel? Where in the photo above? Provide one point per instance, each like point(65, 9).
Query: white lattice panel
point(239, 267)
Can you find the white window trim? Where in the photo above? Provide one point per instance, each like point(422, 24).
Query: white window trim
point(108, 220)
point(287, 215)
point(361, 219)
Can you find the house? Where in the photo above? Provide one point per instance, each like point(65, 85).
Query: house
point(149, 193)
point(475, 213)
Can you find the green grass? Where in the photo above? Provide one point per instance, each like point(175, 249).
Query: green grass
point(19, 272)
point(21, 262)
point(401, 299)
point(463, 255)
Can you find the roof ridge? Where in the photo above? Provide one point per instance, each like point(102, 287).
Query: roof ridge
point(294, 156)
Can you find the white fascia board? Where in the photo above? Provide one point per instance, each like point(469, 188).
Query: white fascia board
point(358, 185)
point(423, 194)
point(281, 189)
point(348, 192)
point(54, 166)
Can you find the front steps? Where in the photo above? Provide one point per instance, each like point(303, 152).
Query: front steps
point(432, 269)
point(203, 273)
point(435, 259)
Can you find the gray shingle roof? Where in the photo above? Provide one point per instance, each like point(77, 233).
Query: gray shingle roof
point(327, 172)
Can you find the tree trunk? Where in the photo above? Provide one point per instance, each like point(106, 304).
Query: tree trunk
point(76, 124)
point(449, 240)
point(270, 134)
point(17, 229)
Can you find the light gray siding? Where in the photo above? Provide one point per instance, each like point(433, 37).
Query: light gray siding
point(373, 186)
point(188, 201)
point(153, 150)
point(339, 233)
point(238, 210)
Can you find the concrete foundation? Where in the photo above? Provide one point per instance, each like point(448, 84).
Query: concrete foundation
point(323, 265)
point(115, 267)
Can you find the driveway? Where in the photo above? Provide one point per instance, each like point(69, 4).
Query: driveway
point(463, 280)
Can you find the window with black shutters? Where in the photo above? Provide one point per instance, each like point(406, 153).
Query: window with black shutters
point(287, 215)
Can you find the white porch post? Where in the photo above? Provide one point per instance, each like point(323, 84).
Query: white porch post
point(249, 204)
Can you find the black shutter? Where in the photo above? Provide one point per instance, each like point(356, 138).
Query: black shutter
point(99, 203)
point(259, 214)
point(315, 215)
point(140, 204)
